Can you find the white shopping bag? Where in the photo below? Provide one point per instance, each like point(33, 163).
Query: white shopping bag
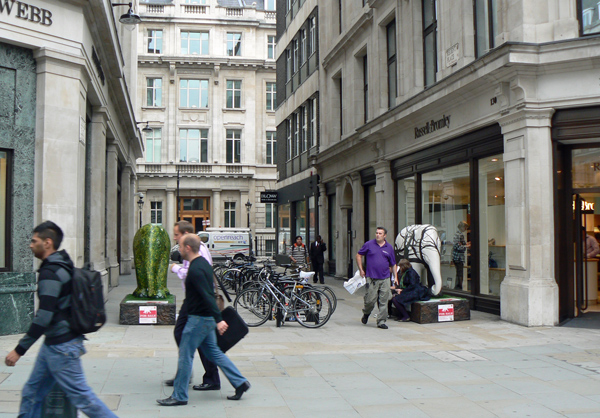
point(305, 276)
point(355, 282)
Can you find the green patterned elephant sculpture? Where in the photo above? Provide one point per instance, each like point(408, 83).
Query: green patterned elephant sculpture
point(151, 247)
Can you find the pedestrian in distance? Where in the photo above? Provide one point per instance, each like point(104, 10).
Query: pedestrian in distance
point(317, 251)
point(381, 262)
point(459, 248)
point(199, 331)
point(210, 380)
point(59, 358)
point(298, 252)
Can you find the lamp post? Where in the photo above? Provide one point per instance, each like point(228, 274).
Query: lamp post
point(248, 206)
point(129, 18)
point(140, 204)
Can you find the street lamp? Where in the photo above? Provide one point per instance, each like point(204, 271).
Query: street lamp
point(248, 206)
point(128, 18)
point(140, 204)
point(146, 129)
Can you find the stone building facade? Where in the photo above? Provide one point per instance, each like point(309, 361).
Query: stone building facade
point(68, 141)
point(483, 112)
point(206, 87)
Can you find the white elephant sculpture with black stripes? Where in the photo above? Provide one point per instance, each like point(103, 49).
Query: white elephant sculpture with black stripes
point(421, 245)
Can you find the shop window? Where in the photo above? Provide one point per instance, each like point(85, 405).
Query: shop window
point(234, 144)
point(193, 93)
point(234, 44)
point(155, 38)
point(486, 25)
point(5, 193)
point(284, 239)
point(156, 212)
point(446, 200)
point(153, 145)
point(301, 219)
point(406, 202)
point(154, 92)
point(429, 40)
point(492, 231)
point(234, 94)
point(194, 43)
point(229, 214)
point(312, 220)
point(193, 145)
point(586, 168)
point(589, 17)
point(269, 215)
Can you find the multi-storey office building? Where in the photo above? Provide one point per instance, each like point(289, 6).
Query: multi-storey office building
point(297, 121)
point(207, 88)
point(68, 141)
point(482, 111)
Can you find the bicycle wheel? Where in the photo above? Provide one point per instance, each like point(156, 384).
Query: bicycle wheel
point(230, 280)
point(330, 294)
point(254, 306)
point(312, 308)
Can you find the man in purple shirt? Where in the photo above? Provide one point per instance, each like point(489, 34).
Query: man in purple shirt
point(381, 261)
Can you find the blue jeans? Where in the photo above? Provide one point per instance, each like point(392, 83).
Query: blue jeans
point(61, 363)
point(199, 331)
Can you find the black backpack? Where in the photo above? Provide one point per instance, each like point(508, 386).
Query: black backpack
point(87, 301)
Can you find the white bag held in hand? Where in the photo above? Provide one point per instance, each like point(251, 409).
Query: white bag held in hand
point(355, 282)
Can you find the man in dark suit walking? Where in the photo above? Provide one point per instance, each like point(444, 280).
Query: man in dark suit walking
point(317, 251)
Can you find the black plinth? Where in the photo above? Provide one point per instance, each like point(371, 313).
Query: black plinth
point(147, 312)
point(440, 310)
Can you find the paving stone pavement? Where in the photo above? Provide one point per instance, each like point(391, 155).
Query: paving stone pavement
point(480, 368)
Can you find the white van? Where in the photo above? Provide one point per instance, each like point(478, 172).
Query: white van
point(230, 242)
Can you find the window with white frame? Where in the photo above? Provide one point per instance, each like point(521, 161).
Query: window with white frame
point(271, 96)
point(154, 92)
point(233, 145)
point(195, 1)
point(295, 55)
point(486, 25)
point(313, 123)
point(269, 4)
point(271, 44)
point(194, 43)
point(270, 215)
point(312, 29)
point(229, 214)
point(429, 40)
point(288, 151)
point(288, 65)
point(271, 147)
point(234, 44)
point(153, 145)
point(303, 55)
point(193, 145)
point(156, 212)
point(304, 116)
point(392, 69)
point(234, 94)
point(155, 38)
point(193, 93)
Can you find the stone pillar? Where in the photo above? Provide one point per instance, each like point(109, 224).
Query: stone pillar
point(341, 233)
point(126, 209)
point(358, 214)
point(384, 201)
point(97, 213)
point(215, 213)
point(171, 212)
point(529, 293)
point(111, 213)
point(60, 137)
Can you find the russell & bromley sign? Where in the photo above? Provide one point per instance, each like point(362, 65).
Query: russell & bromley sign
point(433, 126)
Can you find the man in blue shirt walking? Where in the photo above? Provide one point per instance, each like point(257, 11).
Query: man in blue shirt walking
point(381, 261)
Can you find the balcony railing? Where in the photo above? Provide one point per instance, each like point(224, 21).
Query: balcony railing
point(234, 12)
point(234, 169)
point(194, 9)
point(155, 8)
point(270, 15)
point(195, 168)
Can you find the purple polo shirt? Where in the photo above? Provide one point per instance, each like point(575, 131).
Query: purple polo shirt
point(379, 259)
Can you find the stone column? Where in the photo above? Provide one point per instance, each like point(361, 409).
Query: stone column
point(60, 137)
point(529, 293)
point(384, 201)
point(171, 212)
point(341, 233)
point(126, 209)
point(358, 214)
point(215, 213)
point(97, 190)
point(111, 213)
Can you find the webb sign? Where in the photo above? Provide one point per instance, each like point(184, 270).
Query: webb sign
point(268, 197)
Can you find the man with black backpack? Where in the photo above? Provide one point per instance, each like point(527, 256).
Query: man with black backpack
point(59, 357)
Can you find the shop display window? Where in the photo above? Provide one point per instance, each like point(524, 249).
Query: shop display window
point(301, 220)
point(284, 239)
point(406, 202)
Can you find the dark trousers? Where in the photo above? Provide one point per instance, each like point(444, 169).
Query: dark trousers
point(211, 372)
point(459, 274)
point(400, 307)
point(318, 269)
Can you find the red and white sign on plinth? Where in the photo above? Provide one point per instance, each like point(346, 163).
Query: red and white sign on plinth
point(148, 315)
point(445, 313)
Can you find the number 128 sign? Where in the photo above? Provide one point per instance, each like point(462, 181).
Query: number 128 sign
point(445, 313)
